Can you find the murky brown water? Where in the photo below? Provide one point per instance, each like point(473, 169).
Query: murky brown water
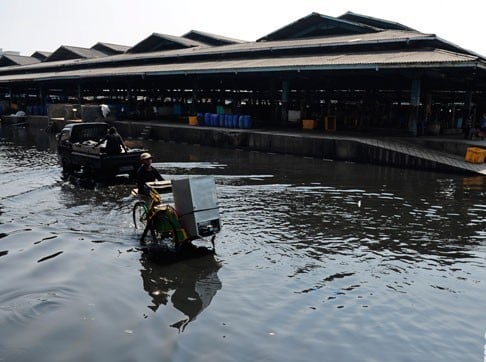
point(317, 261)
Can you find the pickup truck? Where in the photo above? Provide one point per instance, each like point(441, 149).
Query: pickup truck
point(77, 150)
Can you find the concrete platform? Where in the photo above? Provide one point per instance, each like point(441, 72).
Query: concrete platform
point(431, 153)
point(10, 119)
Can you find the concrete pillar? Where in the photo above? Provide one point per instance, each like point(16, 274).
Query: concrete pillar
point(468, 104)
point(79, 93)
point(274, 101)
point(194, 99)
point(285, 100)
point(414, 106)
point(303, 102)
point(42, 101)
point(468, 117)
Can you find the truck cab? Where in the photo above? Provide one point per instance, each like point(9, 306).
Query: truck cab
point(80, 132)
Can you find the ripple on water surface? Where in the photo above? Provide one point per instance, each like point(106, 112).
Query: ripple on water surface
point(354, 262)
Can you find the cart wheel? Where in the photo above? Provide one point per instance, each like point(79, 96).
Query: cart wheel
point(166, 235)
point(140, 210)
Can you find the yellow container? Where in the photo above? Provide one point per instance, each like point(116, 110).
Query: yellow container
point(309, 124)
point(475, 155)
point(330, 123)
point(192, 120)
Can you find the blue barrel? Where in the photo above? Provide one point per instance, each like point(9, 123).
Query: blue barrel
point(240, 121)
point(207, 119)
point(234, 121)
point(221, 120)
point(200, 119)
point(245, 121)
point(459, 123)
point(248, 122)
point(177, 109)
point(117, 109)
point(214, 119)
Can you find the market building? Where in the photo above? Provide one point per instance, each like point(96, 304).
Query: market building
point(351, 72)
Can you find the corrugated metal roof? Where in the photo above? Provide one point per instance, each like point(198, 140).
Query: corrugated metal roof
point(211, 39)
point(338, 40)
point(18, 59)
point(109, 48)
point(158, 41)
point(70, 52)
point(188, 49)
point(84, 52)
point(383, 60)
point(317, 24)
point(41, 53)
point(387, 36)
point(375, 22)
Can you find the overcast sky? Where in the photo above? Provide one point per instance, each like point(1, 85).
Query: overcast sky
point(30, 25)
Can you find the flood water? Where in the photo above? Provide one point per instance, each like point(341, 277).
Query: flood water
point(316, 261)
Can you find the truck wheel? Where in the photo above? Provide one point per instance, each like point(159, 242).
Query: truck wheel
point(66, 165)
point(89, 172)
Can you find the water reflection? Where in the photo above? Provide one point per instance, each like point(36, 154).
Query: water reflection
point(190, 286)
point(29, 137)
point(474, 182)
